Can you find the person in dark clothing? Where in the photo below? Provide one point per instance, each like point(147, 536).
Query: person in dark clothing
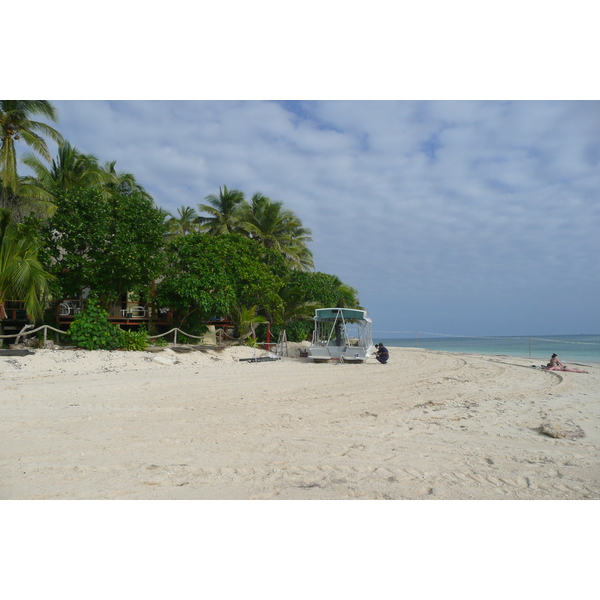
point(555, 363)
point(382, 354)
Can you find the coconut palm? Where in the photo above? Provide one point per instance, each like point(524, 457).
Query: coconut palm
point(29, 199)
point(71, 168)
point(16, 124)
point(295, 304)
point(346, 296)
point(22, 276)
point(223, 210)
point(184, 224)
point(278, 228)
point(121, 182)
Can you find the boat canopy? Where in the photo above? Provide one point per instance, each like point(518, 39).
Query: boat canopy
point(347, 314)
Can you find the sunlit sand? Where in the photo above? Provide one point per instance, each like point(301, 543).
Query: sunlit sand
point(205, 425)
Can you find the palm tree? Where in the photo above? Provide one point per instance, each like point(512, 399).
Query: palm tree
point(123, 182)
point(295, 305)
point(278, 228)
point(19, 206)
point(71, 168)
point(29, 199)
point(246, 320)
point(346, 296)
point(16, 124)
point(223, 210)
point(22, 276)
point(184, 224)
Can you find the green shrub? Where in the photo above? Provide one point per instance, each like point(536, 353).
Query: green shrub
point(296, 331)
point(161, 342)
point(252, 342)
point(135, 340)
point(92, 331)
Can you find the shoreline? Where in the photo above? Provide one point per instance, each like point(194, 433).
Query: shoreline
point(206, 425)
point(534, 360)
point(570, 348)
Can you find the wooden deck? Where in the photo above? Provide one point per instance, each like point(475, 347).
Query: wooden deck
point(122, 313)
point(127, 314)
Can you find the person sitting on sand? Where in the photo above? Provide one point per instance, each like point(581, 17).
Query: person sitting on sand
point(556, 365)
point(382, 354)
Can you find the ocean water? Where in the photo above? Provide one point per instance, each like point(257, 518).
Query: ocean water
point(578, 349)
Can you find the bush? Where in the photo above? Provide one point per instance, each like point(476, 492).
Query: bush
point(298, 331)
point(92, 331)
point(135, 340)
point(252, 342)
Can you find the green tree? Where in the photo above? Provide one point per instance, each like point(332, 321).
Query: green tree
point(69, 170)
point(328, 290)
point(22, 275)
point(121, 182)
point(246, 321)
point(16, 123)
point(297, 313)
point(303, 293)
point(212, 275)
point(275, 227)
point(223, 210)
point(296, 306)
point(110, 246)
point(184, 223)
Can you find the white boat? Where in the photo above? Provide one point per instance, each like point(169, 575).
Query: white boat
point(342, 334)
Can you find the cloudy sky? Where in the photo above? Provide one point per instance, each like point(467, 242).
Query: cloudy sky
point(450, 217)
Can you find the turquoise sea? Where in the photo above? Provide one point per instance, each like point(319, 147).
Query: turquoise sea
point(576, 349)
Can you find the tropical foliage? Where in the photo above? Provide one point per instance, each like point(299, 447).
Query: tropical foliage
point(275, 227)
point(246, 320)
point(71, 169)
point(325, 289)
point(135, 340)
point(121, 182)
point(16, 124)
point(110, 246)
point(22, 275)
point(91, 329)
point(306, 291)
point(223, 210)
point(212, 275)
point(184, 223)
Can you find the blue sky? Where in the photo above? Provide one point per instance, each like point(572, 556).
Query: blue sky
point(451, 217)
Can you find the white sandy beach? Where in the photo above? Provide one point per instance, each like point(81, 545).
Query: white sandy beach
point(204, 425)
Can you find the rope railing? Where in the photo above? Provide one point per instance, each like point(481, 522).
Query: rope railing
point(175, 330)
point(27, 332)
point(220, 335)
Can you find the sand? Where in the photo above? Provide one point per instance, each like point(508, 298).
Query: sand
point(205, 425)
